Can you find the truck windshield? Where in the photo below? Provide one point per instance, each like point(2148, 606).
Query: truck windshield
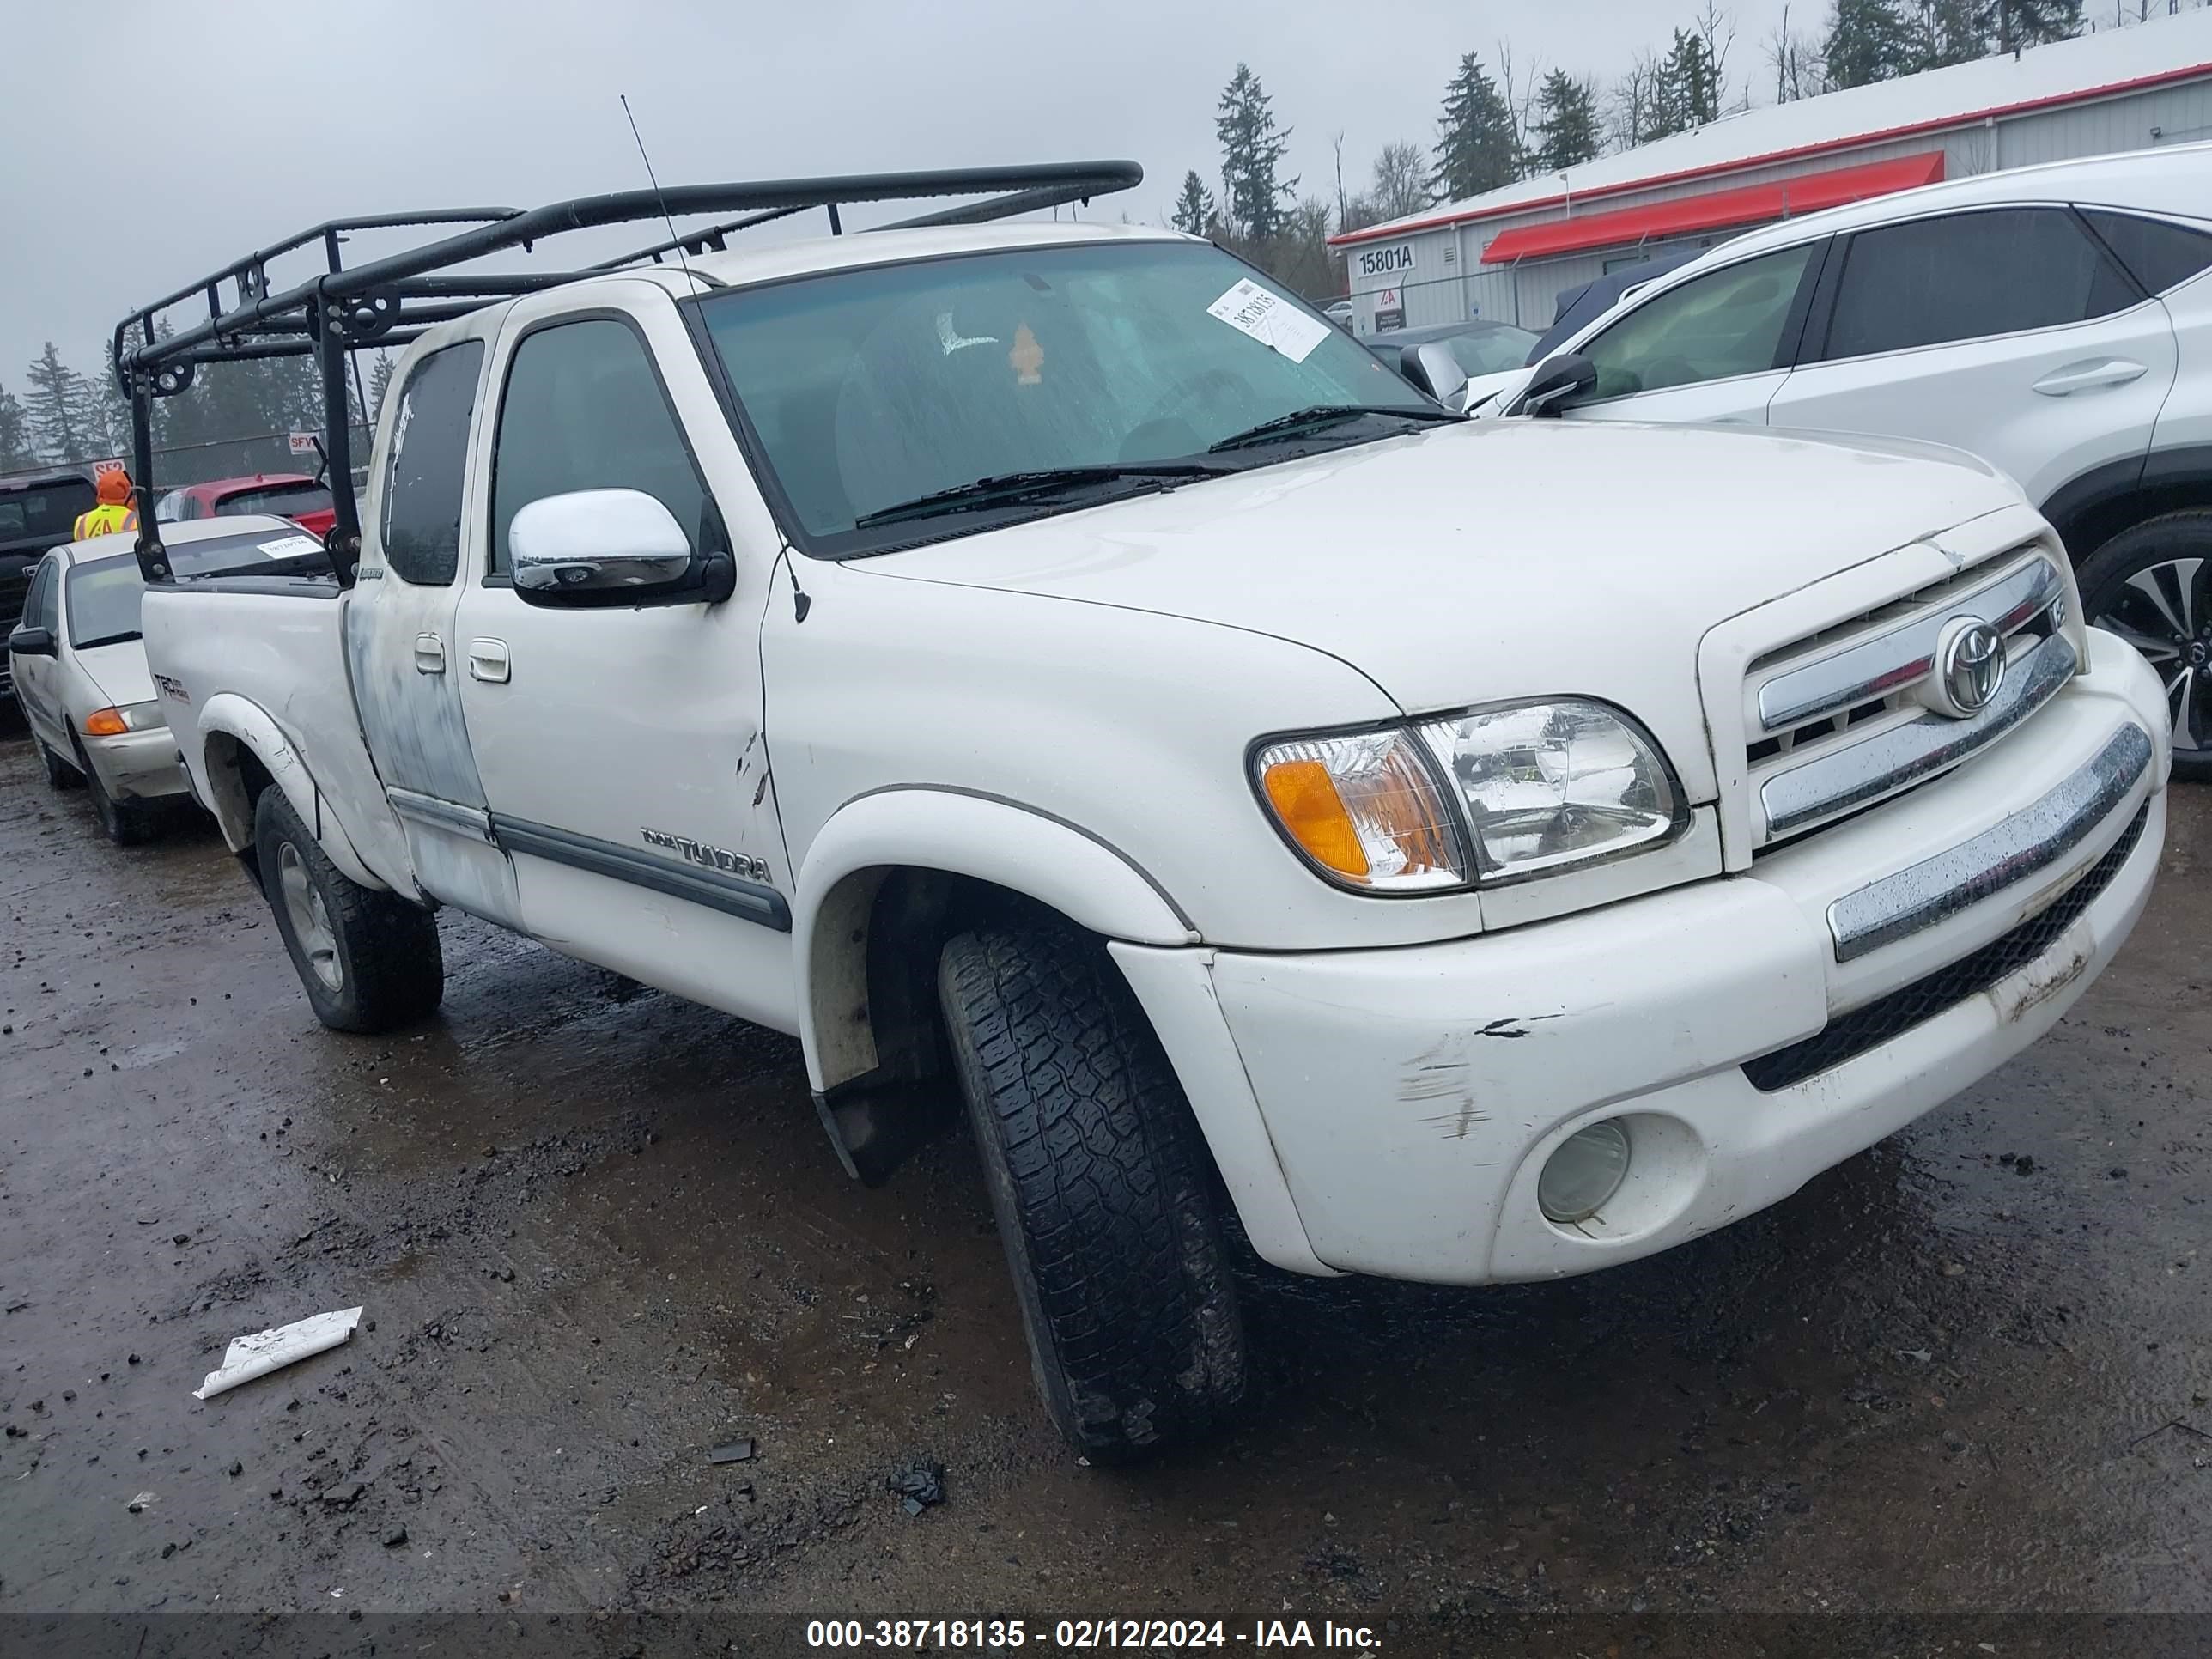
point(104, 593)
point(1012, 383)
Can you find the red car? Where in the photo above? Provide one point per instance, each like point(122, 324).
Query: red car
point(292, 495)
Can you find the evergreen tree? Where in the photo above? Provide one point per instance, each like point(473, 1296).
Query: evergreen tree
point(15, 444)
point(1252, 150)
point(58, 417)
point(1193, 213)
point(380, 374)
point(1869, 40)
point(1476, 150)
point(1689, 92)
point(1565, 125)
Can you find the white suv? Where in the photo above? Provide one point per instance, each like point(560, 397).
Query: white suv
point(2055, 320)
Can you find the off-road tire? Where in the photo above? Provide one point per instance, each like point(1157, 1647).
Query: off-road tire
point(2175, 539)
point(389, 967)
point(125, 823)
point(1101, 1188)
point(59, 773)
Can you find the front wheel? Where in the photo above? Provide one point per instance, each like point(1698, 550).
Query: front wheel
point(2152, 585)
point(127, 823)
point(60, 775)
point(369, 961)
point(1100, 1188)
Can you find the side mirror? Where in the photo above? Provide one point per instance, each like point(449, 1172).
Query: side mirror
point(599, 547)
point(1556, 386)
point(1434, 369)
point(32, 641)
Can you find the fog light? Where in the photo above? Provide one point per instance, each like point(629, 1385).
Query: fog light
point(1584, 1172)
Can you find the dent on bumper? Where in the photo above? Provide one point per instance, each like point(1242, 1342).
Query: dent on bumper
point(1409, 1097)
point(138, 765)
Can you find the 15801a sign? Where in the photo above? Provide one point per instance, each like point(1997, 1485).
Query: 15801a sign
point(1386, 261)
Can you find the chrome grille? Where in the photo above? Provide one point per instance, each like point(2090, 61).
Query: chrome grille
point(1846, 717)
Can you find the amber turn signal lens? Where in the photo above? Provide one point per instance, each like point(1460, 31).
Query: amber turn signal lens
point(105, 723)
point(1306, 801)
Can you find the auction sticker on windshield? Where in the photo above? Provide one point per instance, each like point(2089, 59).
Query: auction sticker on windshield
point(290, 547)
point(1271, 319)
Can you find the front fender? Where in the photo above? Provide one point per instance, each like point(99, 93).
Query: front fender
point(252, 728)
point(932, 828)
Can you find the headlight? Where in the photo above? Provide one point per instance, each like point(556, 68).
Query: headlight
point(1365, 809)
point(1547, 785)
point(1534, 787)
point(131, 717)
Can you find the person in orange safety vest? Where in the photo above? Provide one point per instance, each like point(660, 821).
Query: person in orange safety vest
point(115, 512)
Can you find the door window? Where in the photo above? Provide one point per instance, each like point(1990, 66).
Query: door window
point(1970, 276)
point(2157, 252)
point(584, 409)
point(430, 460)
point(1728, 322)
point(40, 608)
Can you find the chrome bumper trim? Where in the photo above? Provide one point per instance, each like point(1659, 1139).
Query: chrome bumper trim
point(1874, 668)
point(1906, 754)
point(1937, 888)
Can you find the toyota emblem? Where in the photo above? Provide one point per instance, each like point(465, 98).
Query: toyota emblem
point(1970, 667)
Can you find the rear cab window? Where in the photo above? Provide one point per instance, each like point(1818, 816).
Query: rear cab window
point(428, 466)
point(1970, 276)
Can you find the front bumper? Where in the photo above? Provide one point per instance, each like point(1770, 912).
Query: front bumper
point(1409, 1097)
point(138, 765)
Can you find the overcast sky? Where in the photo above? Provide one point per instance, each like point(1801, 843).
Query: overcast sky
point(261, 119)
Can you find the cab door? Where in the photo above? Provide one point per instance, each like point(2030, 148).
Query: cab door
point(399, 629)
point(1716, 348)
point(621, 747)
point(37, 679)
point(2010, 332)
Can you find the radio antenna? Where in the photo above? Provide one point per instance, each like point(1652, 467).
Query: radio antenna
point(665, 217)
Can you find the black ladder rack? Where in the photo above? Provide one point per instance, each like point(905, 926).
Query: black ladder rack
point(390, 301)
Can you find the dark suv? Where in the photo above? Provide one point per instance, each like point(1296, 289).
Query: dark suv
point(37, 511)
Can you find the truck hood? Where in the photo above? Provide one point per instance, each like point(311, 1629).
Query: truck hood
point(1482, 561)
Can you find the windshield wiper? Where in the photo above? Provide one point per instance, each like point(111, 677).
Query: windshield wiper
point(105, 638)
point(1003, 487)
point(1301, 421)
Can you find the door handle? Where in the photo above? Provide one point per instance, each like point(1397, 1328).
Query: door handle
point(2090, 377)
point(487, 661)
point(429, 655)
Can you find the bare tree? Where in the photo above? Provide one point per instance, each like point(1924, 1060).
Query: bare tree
point(1716, 28)
point(1795, 59)
point(1519, 99)
point(1632, 112)
point(1343, 203)
point(1402, 180)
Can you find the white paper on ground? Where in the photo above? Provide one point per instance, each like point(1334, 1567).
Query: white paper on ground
point(257, 1355)
point(1270, 319)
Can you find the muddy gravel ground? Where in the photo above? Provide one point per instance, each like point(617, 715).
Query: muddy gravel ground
point(597, 1232)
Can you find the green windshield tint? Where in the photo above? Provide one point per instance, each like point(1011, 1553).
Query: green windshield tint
point(872, 387)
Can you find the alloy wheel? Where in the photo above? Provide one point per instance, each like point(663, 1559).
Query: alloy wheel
point(2164, 611)
point(310, 922)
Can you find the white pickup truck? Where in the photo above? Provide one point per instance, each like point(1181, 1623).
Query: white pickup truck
point(1043, 666)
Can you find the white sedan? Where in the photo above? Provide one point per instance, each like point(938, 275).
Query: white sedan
point(80, 668)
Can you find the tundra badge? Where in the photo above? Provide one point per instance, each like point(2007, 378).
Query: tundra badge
point(714, 858)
